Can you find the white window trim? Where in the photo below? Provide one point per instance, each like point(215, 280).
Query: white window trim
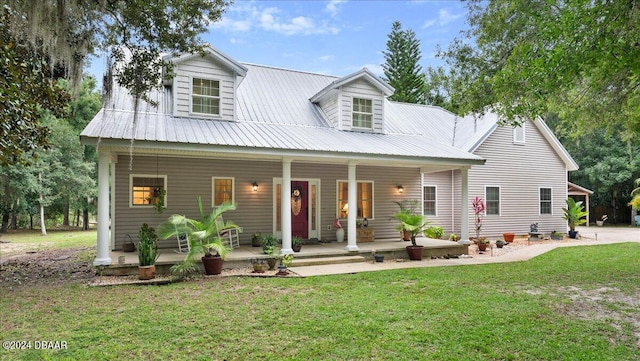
point(524, 134)
point(540, 201)
point(131, 176)
point(219, 115)
point(213, 189)
point(499, 201)
point(373, 193)
point(353, 111)
point(436, 199)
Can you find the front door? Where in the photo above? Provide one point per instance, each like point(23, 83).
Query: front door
point(300, 209)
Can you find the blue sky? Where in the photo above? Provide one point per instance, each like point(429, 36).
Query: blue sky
point(335, 37)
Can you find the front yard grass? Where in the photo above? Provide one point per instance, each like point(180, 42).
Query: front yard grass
point(21, 241)
point(577, 303)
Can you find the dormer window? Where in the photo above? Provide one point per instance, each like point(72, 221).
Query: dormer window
point(205, 96)
point(362, 113)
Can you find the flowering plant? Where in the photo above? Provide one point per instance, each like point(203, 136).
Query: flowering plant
point(478, 208)
point(337, 224)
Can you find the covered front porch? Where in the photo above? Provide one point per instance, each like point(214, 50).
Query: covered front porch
point(242, 256)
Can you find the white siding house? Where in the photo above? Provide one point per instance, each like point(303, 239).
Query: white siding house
point(223, 126)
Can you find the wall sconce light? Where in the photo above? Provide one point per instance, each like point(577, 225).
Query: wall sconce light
point(255, 186)
point(400, 189)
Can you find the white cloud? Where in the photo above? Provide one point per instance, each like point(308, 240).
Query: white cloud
point(246, 17)
point(334, 6)
point(444, 18)
point(326, 57)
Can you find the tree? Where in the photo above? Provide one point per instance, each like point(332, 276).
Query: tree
point(578, 59)
point(61, 34)
point(401, 68)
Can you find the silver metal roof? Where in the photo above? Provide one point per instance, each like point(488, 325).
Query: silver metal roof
point(274, 113)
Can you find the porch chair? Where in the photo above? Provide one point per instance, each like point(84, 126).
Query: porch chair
point(230, 236)
point(183, 243)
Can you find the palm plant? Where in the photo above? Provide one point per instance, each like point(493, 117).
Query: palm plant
point(635, 195)
point(574, 213)
point(203, 234)
point(410, 221)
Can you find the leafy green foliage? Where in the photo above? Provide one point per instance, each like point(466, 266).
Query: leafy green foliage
point(530, 58)
point(401, 67)
point(147, 246)
point(435, 232)
point(574, 213)
point(410, 220)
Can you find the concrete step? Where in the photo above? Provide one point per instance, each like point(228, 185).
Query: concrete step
point(325, 260)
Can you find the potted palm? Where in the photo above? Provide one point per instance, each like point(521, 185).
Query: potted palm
point(411, 224)
point(147, 252)
point(574, 213)
point(203, 235)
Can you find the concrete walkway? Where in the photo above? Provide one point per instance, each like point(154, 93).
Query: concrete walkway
point(589, 236)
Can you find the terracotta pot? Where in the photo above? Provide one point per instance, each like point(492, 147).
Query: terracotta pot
point(415, 252)
point(212, 265)
point(147, 272)
point(406, 236)
point(508, 237)
point(482, 246)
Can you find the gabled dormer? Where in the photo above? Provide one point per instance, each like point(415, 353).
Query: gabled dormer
point(204, 86)
point(355, 102)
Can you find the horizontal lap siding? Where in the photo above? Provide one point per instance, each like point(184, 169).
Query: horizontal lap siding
point(188, 178)
point(206, 68)
point(330, 108)
point(519, 171)
point(362, 89)
point(444, 210)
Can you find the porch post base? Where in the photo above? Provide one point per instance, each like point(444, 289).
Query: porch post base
point(353, 248)
point(102, 261)
point(287, 251)
point(464, 241)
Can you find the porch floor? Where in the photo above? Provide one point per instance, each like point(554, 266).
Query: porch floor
point(242, 256)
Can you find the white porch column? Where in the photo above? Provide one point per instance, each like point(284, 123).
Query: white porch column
point(285, 206)
point(464, 207)
point(102, 256)
point(352, 200)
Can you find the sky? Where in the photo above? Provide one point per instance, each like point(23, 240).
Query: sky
point(334, 37)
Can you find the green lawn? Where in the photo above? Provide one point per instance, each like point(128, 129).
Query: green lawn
point(578, 303)
point(55, 239)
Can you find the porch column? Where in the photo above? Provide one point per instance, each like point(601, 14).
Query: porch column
point(352, 200)
point(285, 206)
point(464, 207)
point(102, 255)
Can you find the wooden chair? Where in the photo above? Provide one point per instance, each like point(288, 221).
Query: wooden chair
point(183, 244)
point(231, 236)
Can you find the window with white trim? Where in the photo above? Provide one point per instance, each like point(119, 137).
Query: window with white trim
point(492, 200)
point(362, 113)
point(146, 190)
point(429, 200)
point(223, 190)
point(545, 201)
point(364, 199)
point(518, 133)
point(205, 96)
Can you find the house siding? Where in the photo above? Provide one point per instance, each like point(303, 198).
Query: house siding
point(188, 178)
point(519, 170)
point(329, 106)
point(206, 68)
point(445, 205)
point(362, 89)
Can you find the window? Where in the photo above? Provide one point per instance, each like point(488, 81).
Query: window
point(492, 196)
point(362, 113)
point(429, 200)
point(222, 190)
point(518, 134)
point(146, 189)
point(364, 200)
point(205, 96)
point(545, 201)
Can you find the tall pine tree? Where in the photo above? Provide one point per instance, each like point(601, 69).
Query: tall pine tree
point(401, 68)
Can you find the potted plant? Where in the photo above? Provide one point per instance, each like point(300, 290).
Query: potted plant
point(258, 265)
point(147, 252)
point(435, 232)
point(379, 258)
point(285, 262)
point(500, 243)
point(413, 224)
point(272, 257)
point(203, 235)
point(509, 237)
point(453, 237)
point(339, 230)
point(406, 210)
point(573, 214)
point(296, 244)
point(557, 236)
point(478, 208)
point(482, 244)
point(256, 239)
point(268, 242)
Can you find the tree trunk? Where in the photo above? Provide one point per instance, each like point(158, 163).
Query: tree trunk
point(77, 218)
point(31, 221)
point(5, 223)
point(14, 221)
point(43, 227)
point(85, 219)
point(65, 218)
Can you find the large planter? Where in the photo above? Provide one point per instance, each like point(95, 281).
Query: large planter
point(146, 272)
point(415, 252)
point(212, 265)
point(340, 234)
point(509, 237)
point(272, 263)
point(573, 234)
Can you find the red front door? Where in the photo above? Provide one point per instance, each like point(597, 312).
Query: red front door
point(300, 209)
